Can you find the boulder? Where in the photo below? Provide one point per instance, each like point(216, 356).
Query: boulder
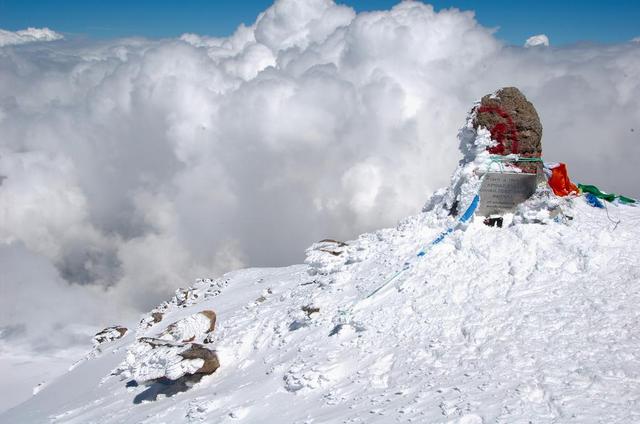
point(152, 359)
point(196, 351)
point(513, 123)
point(212, 319)
point(310, 309)
point(157, 317)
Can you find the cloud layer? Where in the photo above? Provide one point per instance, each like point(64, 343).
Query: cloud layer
point(133, 166)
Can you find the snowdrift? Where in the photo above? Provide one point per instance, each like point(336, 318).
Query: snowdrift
point(533, 322)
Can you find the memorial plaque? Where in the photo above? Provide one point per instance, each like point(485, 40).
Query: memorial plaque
point(501, 192)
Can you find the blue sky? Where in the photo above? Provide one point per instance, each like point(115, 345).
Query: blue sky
point(563, 21)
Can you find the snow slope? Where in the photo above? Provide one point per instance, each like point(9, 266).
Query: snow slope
point(494, 325)
point(534, 322)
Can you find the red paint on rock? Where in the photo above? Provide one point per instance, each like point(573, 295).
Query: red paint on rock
point(501, 131)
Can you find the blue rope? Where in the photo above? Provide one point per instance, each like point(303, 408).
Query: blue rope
point(466, 216)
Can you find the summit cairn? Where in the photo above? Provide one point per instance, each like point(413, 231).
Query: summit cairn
point(513, 123)
point(501, 144)
point(516, 135)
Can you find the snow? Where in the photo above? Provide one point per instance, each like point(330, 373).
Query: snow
point(159, 356)
point(537, 40)
point(190, 328)
point(526, 322)
point(533, 322)
point(30, 373)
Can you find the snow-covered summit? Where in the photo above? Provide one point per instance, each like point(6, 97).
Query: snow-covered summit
point(536, 321)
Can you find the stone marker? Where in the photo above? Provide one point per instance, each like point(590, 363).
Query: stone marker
point(513, 122)
point(515, 126)
point(503, 192)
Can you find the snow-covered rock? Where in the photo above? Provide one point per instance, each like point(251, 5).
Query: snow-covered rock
point(152, 359)
point(175, 352)
point(194, 327)
point(328, 256)
point(109, 334)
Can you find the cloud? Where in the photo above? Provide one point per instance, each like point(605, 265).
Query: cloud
point(39, 307)
point(134, 166)
point(29, 35)
point(537, 40)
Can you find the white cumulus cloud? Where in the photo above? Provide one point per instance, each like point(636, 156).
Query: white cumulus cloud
point(132, 167)
point(29, 35)
point(537, 40)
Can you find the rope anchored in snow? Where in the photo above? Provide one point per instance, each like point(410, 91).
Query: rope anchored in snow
point(464, 218)
point(344, 314)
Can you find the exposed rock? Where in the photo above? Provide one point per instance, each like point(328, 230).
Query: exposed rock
point(327, 256)
point(309, 309)
point(152, 319)
point(185, 297)
point(339, 243)
point(331, 252)
point(152, 359)
point(196, 351)
point(263, 297)
point(109, 334)
point(513, 123)
point(212, 319)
